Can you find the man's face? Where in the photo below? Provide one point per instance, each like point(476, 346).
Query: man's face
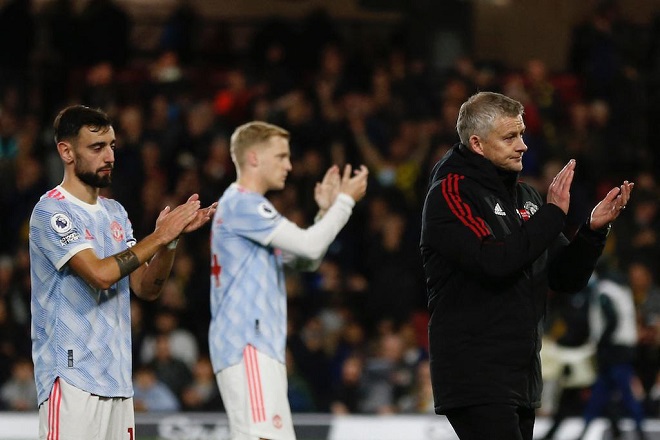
point(274, 162)
point(94, 156)
point(504, 145)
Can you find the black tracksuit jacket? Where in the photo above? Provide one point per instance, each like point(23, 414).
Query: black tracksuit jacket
point(491, 250)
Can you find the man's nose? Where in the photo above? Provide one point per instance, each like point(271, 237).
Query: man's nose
point(109, 155)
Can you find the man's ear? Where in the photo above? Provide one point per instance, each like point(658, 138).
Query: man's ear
point(476, 145)
point(251, 157)
point(66, 151)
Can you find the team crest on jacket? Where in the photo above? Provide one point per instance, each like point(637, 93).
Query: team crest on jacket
point(528, 211)
point(531, 208)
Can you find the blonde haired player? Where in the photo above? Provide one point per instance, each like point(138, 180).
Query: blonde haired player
point(250, 243)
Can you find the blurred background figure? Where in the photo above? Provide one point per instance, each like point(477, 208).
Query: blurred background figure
point(613, 324)
point(201, 394)
point(150, 393)
point(19, 393)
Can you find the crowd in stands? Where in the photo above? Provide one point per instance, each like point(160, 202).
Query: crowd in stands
point(357, 327)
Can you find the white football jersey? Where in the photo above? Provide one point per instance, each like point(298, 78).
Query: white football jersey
point(79, 333)
point(248, 295)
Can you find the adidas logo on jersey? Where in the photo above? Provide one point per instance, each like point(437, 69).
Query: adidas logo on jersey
point(498, 210)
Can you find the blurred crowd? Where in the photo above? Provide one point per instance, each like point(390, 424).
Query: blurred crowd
point(357, 327)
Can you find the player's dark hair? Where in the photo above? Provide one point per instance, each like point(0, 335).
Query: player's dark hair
point(71, 119)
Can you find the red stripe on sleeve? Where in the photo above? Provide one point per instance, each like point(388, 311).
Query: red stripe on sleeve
point(461, 209)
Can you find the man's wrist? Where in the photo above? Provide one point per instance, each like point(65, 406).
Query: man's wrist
point(602, 230)
point(598, 235)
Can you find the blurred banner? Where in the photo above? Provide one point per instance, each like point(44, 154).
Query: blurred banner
point(213, 426)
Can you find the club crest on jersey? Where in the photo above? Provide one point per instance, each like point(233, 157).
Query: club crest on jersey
point(60, 223)
point(117, 231)
point(266, 210)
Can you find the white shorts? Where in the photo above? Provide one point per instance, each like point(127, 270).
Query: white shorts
point(70, 413)
point(254, 393)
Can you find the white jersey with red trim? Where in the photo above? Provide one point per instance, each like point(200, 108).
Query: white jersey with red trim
point(79, 333)
point(248, 296)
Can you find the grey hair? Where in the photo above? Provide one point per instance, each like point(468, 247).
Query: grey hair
point(479, 112)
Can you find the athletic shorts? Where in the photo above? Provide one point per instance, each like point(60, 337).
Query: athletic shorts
point(70, 413)
point(254, 393)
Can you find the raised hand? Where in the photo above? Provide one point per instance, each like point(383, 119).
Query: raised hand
point(202, 216)
point(325, 191)
point(559, 191)
point(608, 209)
point(171, 222)
point(354, 183)
point(185, 218)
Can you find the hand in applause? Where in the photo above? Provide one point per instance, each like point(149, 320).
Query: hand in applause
point(185, 218)
point(354, 183)
point(608, 209)
point(325, 191)
point(559, 191)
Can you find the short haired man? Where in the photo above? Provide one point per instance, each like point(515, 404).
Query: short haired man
point(491, 248)
point(83, 259)
point(250, 242)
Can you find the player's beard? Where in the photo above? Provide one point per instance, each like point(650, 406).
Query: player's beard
point(93, 178)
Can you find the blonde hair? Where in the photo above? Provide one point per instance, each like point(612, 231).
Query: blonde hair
point(252, 134)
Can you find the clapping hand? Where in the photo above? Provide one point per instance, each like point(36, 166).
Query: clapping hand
point(202, 216)
point(608, 209)
point(354, 183)
point(559, 191)
point(325, 191)
point(186, 217)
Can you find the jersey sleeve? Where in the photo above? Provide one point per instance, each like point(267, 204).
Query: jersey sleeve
point(253, 217)
point(57, 232)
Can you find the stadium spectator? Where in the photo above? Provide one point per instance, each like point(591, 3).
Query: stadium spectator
point(202, 393)
point(182, 343)
point(19, 393)
point(170, 370)
point(613, 322)
point(152, 394)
